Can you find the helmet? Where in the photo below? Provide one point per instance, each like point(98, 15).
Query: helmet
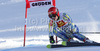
point(53, 12)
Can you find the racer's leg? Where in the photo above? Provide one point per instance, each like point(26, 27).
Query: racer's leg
point(77, 35)
point(61, 35)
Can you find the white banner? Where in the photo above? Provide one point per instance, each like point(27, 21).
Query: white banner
point(40, 3)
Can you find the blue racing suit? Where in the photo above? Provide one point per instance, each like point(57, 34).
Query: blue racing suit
point(64, 28)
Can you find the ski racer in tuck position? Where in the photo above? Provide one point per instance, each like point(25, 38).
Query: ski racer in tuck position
point(62, 26)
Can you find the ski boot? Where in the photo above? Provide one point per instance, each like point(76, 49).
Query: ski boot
point(89, 41)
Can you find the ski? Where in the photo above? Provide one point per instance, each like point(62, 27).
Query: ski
point(72, 44)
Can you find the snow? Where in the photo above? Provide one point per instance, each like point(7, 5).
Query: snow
point(43, 48)
point(84, 13)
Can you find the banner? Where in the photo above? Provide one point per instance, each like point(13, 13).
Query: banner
point(37, 3)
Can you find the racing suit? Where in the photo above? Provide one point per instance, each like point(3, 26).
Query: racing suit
point(64, 28)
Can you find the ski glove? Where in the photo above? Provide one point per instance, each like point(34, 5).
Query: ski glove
point(52, 39)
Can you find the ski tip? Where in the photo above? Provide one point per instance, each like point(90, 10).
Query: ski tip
point(49, 46)
point(64, 43)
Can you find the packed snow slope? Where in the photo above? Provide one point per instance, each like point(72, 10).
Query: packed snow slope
point(84, 13)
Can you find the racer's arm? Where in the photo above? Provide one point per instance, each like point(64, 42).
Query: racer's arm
point(51, 32)
point(67, 18)
point(50, 28)
point(70, 23)
point(73, 27)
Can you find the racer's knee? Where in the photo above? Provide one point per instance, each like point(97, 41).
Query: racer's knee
point(74, 28)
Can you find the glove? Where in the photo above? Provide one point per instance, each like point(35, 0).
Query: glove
point(52, 39)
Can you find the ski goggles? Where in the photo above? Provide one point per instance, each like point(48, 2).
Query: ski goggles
point(52, 16)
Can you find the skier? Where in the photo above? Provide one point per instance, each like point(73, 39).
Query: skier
point(62, 26)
